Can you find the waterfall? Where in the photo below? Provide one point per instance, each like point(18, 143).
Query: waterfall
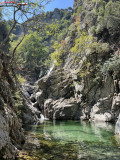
point(42, 118)
point(51, 68)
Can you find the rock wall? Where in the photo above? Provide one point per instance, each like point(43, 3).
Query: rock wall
point(11, 132)
point(55, 96)
point(61, 95)
point(72, 92)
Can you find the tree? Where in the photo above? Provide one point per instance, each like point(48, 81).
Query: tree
point(31, 52)
point(24, 13)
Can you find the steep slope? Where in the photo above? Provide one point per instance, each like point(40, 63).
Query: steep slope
point(11, 133)
point(88, 84)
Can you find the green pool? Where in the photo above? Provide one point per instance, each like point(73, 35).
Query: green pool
point(71, 140)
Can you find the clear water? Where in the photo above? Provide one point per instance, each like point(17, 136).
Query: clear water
point(71, 140)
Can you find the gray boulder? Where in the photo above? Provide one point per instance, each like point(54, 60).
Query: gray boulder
point(62, 109)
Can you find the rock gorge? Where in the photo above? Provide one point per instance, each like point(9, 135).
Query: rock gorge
point(66, 93)
point(83, 85)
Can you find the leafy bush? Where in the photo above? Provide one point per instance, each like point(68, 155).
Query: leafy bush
point(79, 10)
point(82, 43)
point(31, 50)
point(71, 29)
point(112, 64)
point(99, 48)
point(109, 17)
point(21, 79)
point(92, 30)
point(60, 51)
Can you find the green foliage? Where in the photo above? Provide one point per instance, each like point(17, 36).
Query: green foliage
point(113, 64)
point(85, 69)
point(21, 79)
point(83, 43)
point(92, 30)
point(55, 56)
point(79, 10)
point(34, 51)
point(108, 17)
point(101, 11)
point(100, 48)
point(51, 29)
point(112, 15)
point(62, 35)
point(71, 29)
point(60, 51)
point(31, 51)
point(102, 15)
point(48, 63)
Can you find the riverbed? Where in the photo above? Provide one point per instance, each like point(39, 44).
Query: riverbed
point(71, 140)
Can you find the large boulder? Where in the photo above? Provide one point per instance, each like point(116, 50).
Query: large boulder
point(101, 111)
point(62, 109)
point(55, 96)
point(30, 113)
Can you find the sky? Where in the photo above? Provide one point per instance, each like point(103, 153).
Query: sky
point(62, 4)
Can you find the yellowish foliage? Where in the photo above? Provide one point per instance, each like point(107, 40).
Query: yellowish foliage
point(21, 79)
point(82, 43)
point(60, 50)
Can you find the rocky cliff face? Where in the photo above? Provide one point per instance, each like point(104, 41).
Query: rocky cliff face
point(55, 96)
point(11, 133)
point(80, 89)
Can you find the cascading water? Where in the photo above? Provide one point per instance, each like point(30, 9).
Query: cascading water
point(42, 118)
point(51, 68)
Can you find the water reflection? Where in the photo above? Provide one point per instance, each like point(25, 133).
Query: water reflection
point(82, 131)
point(117, 138)
point(74, 140)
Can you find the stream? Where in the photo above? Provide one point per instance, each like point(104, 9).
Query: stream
point(71, 140)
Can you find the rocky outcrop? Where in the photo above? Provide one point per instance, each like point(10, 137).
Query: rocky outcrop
point(61, 95)
point(61, 109)
point(79, 90)
point(55, 96)
point(30, 113)
point(11, 132)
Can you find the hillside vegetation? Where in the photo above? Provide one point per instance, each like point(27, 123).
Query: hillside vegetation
point(34, 51)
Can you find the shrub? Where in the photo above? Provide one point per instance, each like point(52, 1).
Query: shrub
point(82, 43)
point(21, 79)
point(112, 64)
point(60, 50)
point(99, 48)
point(71, 29)
point(92, 30)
